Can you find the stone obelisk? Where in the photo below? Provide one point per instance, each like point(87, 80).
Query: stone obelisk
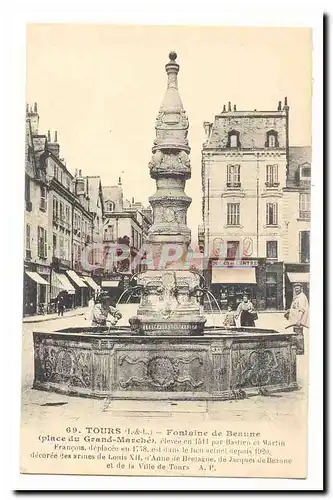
point(169, 305)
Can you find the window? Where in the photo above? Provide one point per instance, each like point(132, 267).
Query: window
point(67, 215)
point(305, 172)
point(110, 206)
point(271, 214)
point(61, 176)
point(272, 139)
point(304, 246)
point(109, 233)
point(233, 139)
point(272, 249)
point(232, 249)
point(233, 176)
point(42, 242)
point(54, 245)
point(27, 188)
point(43, 198)
point(27, 236)
point(55, 171)
point(271, 175)
point(304, 206)
point(62, 217)
point(233, 214)
point(61, 248)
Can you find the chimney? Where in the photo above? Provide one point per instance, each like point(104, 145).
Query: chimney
point(280, 106)
point(229, 106)
point(53, 147)
point(34, 119)
point(224, 109)
point(207, 128)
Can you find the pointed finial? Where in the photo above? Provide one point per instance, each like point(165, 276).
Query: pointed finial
point(229, 106)
point(224, 108)
point(49, 136)
point(27, 108)
point(280, 106)
point(35, 107)
point(235, 107)
point(285, 101)
point(119, 181)
point(56, 136)
point(173, 55)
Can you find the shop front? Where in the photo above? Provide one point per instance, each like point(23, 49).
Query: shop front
point(81, 289)
point(230, 284)
point(35, 289)
point(60, 285)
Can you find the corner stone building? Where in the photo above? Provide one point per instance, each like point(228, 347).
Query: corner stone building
point(248, 199)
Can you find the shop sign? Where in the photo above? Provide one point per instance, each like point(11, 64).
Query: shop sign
point(43, 270)
point(236, 263)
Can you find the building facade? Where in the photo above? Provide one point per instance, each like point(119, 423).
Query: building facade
point(248, 205)
point(58, 226)
point(126, 223)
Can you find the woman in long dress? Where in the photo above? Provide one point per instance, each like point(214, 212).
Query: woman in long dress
point(245, 312)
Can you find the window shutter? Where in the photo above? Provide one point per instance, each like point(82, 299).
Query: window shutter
point(45, 243)
point(267, 214)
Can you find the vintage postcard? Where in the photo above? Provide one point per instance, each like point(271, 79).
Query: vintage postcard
point(167, 251)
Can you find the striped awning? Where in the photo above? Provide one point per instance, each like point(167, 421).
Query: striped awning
point(234, 276)
point(36, 277)
point(61, 281)
point(91, 283)
point(299, 277)
point(77, 280)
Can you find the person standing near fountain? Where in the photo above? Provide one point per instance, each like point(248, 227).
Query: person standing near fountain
point(229, 319)
point(245, 312)
point(102, 310)
point(298, 314)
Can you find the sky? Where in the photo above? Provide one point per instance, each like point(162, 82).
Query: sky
point(101, 86)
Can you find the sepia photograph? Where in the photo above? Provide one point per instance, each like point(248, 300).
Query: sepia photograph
point(166, 260)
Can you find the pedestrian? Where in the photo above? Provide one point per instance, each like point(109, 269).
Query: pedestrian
point(60, 305)
point(229, 319)
point(246, 313)
point(102, 310)
point(299, 309)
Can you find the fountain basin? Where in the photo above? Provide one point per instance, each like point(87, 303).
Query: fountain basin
point(224, 363)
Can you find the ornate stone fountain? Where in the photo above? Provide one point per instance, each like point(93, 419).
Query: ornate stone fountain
point(166, 353)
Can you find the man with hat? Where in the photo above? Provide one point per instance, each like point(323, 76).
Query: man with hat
point(299, 309)
point(102, 309)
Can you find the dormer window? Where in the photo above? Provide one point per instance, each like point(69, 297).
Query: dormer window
point(305, 172)
point(233, 139)
point(272, 139)
point(109, 206)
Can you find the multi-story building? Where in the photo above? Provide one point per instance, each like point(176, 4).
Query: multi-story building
point(296, 217)
point(124, 223)
point(247, 196)
point(37, 249)
point(58, 225)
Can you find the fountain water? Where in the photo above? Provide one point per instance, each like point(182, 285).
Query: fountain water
point(166, 353)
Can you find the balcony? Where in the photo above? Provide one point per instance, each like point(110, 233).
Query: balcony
point(233, 185)
point(270, 184)
point(304, 215)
